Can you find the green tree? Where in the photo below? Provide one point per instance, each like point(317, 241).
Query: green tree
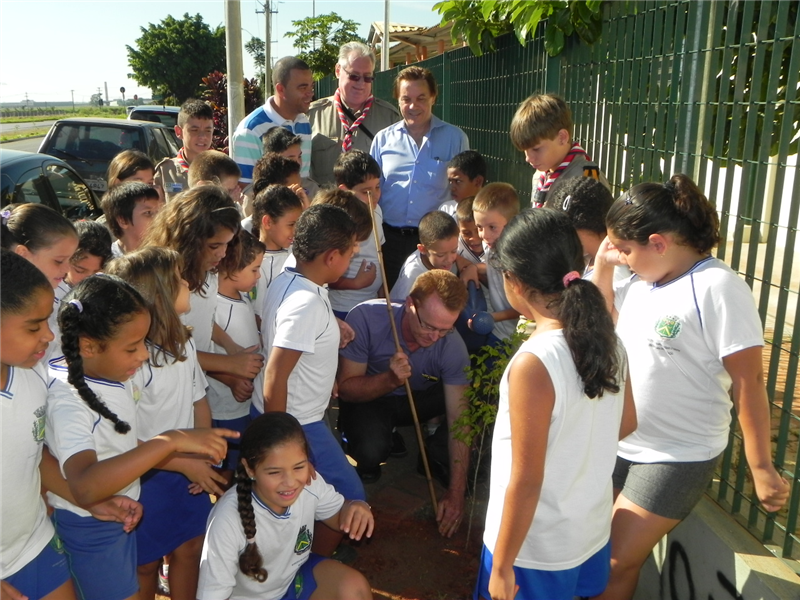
point(257, 49)
point(479, 22)
point(318, 39)
point(172, 57)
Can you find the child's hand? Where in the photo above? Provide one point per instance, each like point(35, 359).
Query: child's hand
point(772, 489)
point(503, 585)
point(206, 442)
point(301, 193)
point(201, 474)
point(607, 255)
point(365, 276)
point(400, 368)
point(9, 592)
point(356, 518)
point(120, 509)
point(346, 333)
point(247, 363)
point(470, 273)
point(242, 389)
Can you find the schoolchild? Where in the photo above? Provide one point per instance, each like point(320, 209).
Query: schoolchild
point(494, 206)
point(437, 249)
point(202, 226)
point(130, 208)
point(273, 169)
point(470, 245)
point(91, 429)
point(130, 165)
point(466, 175)
point(275, 213)
point(542, 129)
point(172, 396)
point(195, 129)
point(301, 337)
point(692, 333)
point(359, 173)
point(364, 273)
point(237, 317)
point(213, 166)
point(287, 144)
point(258, 543)
point(564, 405)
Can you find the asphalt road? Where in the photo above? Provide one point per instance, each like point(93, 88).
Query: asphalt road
point(27, 145)
point(9, 128)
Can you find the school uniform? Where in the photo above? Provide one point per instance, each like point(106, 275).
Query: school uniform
point(201, 316)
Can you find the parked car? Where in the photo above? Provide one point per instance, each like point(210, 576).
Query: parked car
point(44, 179)
point(88, 145)
point(168, 115)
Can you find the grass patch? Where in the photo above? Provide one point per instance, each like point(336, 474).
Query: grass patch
point(21, 135)
point(112, 112)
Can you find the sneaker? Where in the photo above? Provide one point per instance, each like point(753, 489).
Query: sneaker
point(399, 449)
point(345, 554)
point(163, 580)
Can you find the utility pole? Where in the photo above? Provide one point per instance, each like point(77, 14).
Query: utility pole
point(268, 12)
point(233, 42)
point(105, 83)
point(386, 37)
point(73, 99)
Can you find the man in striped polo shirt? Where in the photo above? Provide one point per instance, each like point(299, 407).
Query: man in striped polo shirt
point(294, 90)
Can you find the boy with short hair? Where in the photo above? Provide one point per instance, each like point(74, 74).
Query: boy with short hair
point(218, 168)
point(542, 129)
point(470, 245)
point(301, 336)
point(196, 129)
point(466, 174)
point(493, 207)
point(282, 141)
point(273, 169)
point(438, 248)
point(359, 173)
point(129, 209)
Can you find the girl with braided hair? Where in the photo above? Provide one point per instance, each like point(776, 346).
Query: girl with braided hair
point(258, 542)
point(91, 430)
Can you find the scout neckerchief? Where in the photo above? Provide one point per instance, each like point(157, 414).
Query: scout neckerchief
point(347, 142)
point(547, 178)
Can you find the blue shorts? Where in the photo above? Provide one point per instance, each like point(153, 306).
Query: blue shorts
point(231, 460)
point(44, 574)
point(329, 460)
point(340, 314)
point(171, 517)
point(587, 579)
point(304, 584)
point(101, 556)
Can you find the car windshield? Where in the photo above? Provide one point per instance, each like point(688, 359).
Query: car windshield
point(170, 119)
point(96, 141)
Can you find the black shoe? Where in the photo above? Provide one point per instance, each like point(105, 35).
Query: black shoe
point(345, 554)
point(369, 475)
point(399, 449)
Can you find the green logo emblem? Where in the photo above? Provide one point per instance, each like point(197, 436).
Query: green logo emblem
point(56, 544)
point(303, 542)
point(137, 393)
point(668, 327)
point(38, 425)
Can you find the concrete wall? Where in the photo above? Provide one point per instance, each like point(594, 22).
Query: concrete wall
point(711, 557)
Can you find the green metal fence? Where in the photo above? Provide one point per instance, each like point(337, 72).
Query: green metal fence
point(705, 88)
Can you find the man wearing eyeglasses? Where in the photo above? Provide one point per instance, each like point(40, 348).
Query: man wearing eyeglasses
point(350, 118)
point(372, 376)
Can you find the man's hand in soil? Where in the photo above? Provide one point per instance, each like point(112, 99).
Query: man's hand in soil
point(451, 511)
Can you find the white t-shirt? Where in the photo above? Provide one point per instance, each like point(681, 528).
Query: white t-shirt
point(465, 251)
point(344, 300)
point(573, 516)
point(449, 206)
point(24, 527)
point(54, 347)
point(72, 427)
point(411, 269)
point(284, 542)
point(238, 318)
point(271, 267)
point(497, 298)
point(169, 393)
point(676, 336)
point(201, 316)
point(116, 250)
point(302, 319)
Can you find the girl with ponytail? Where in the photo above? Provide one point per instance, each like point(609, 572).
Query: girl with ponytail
point(692, 332)
point(91, 430)
point(564, 405)
point(258, 542)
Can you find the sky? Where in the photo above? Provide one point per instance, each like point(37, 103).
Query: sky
point(50, 47)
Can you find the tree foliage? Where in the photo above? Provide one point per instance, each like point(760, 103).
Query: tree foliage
point(216, 94)
point(318, 39)
point(258, 50)
point(172, 57)
point(479, 22)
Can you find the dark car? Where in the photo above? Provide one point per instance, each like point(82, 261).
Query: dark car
point(88, 145)
point(31, 177)
point(168, 115)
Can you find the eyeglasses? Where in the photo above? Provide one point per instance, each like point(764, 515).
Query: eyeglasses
point(357, 78)
point(426, 327)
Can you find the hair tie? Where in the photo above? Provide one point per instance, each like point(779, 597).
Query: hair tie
point(628, 198)
point(567, 202)
point(570, 277)
point(77, 304)
point(5, 215)
point(251, 540)
point(670, 187)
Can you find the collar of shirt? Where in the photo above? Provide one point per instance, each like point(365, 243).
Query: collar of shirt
point(272, 113)
point(435, 123)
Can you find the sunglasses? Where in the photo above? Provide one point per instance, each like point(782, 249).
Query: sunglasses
point(357, 78)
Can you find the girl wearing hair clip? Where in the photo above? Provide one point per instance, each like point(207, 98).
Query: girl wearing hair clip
point(692, 332)
point(564, 405)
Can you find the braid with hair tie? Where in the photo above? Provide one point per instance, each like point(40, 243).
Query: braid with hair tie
point(250, 561)
point(70, 345)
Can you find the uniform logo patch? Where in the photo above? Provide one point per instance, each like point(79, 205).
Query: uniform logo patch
point(668, 327)
point(303, 542)
point(137, 393)
point(38, 425)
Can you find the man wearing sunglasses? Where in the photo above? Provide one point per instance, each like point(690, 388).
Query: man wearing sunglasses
point(372, 376)
point(350, 118)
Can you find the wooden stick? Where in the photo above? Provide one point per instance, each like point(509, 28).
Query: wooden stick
point(409, 394)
